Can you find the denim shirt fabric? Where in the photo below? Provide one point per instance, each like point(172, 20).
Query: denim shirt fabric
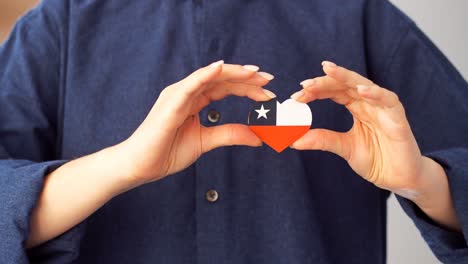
point(77, 76)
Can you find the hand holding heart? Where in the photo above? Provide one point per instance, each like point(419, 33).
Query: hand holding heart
point(171, 137)
point(380, 146)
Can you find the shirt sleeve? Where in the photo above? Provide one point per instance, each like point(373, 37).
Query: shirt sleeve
point(30, 76)
point(434, 94)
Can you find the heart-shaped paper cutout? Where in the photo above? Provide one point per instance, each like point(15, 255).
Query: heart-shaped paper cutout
point(280, 125)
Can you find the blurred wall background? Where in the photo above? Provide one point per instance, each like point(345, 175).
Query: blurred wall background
point(10, 10)
point(445, 22)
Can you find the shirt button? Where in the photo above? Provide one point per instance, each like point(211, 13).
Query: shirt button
point(211, 196)
point(214, 116)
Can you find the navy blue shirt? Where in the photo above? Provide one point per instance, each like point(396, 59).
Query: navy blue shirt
point(77, 76)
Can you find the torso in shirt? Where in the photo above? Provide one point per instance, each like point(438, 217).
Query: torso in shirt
point(293, 207)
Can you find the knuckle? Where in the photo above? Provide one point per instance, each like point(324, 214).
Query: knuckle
point(166, 91)
point(392, 96)
point(187, 93)
point(320, 81)
point(246, 74)
point(395, 96)
point(378, 91)
point(198, 80)
point(376, 87)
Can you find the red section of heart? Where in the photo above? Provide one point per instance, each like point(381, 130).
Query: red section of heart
point(279, 137)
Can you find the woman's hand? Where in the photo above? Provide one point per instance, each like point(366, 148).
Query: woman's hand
point(171, 137)
point(380, 146)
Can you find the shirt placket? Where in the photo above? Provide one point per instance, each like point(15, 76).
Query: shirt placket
point(210, 168)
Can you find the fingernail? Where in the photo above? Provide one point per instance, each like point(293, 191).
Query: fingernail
point(328, 64)
point(297, 95)
point(266, 75)
point(216, 64)
point(363, 88)
point(269, 93)
point(251, 68)
point(308, 82)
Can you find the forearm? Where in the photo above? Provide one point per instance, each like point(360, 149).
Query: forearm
point(76, 190)
point(433, 195)
point(169, 140)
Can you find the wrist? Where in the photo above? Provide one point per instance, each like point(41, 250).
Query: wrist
point(122, 174)
point(431, 193)
point(429, 183)
point(432, 184)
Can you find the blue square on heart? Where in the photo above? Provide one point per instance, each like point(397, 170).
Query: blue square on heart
point(263, 113)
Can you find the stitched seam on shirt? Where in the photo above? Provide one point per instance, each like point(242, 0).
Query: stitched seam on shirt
point(62, 81)
point(61, 73)
point(407, 22)
point(202, 31)
point(55, 45)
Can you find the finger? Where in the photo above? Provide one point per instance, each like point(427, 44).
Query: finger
point(305, 96)
point(233, 73)
point(387, 100)
point(228, 135)
point(326, 83)
point(365, 90)
point(324, 88)
point(343, 75)
point(253, 92)
point(378, 96)
point(218, 72)
point(239, 73)
point(222, 90)
point(326, 140)
point(323, 83)
point(259, 79)
point(195, 82)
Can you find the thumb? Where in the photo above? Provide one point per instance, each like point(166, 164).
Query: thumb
point(326, 140)
point(228, 135)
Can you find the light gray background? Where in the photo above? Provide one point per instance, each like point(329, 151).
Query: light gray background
point(446, 23)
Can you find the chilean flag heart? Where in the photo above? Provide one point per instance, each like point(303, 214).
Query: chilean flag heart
point(280, 125)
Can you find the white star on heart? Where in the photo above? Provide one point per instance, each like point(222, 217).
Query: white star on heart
point(262, 112)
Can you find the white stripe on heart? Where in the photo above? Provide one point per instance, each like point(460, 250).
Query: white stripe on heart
point(293, 113)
